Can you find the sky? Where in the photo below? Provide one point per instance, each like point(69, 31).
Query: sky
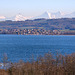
point(10, 8)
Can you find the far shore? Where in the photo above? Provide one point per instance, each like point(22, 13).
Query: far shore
point(37, 35)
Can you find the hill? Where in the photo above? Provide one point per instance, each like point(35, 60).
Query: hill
point(48, 24)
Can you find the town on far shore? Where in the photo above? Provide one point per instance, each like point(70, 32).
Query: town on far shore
point(36, 32)
point(60, 26)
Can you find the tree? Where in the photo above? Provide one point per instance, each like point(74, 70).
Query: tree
point(4, 60)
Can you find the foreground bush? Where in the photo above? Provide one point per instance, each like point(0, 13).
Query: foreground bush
point(46, 65)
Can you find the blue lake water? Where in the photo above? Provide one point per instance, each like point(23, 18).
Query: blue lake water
point(25, 46)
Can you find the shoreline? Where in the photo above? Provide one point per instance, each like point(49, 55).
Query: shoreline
point(38, 35)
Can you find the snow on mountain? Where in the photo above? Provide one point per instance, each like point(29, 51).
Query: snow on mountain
point(44, 15)
point(48, 15)
point(2, 18)
point(18, 17)
point(71, 15)
point(56, 15)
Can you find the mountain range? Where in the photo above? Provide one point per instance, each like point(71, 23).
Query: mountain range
point(46, 15)
point(56, 15)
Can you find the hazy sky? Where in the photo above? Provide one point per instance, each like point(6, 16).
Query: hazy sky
point(34, 7)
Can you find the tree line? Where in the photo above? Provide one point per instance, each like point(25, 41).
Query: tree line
point(44, 65)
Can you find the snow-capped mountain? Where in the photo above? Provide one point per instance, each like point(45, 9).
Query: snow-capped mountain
point(18, 17)
point(2, 18)
point(56, 15)
point(71, 15)
point(46, 15)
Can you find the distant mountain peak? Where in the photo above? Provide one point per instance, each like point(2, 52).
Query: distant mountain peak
point(49, 14)
point(20, 17)
point(2, 18)
point(45, 15)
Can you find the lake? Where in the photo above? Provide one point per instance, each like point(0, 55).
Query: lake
point(23, 47)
